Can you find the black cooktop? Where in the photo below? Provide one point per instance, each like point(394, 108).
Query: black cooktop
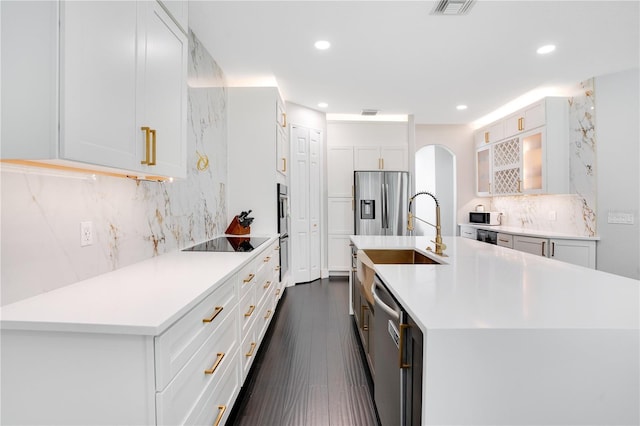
point(229, 244)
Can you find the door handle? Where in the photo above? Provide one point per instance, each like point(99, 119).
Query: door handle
point(401, 362)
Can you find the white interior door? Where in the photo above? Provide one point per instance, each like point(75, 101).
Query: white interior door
point(305, 204)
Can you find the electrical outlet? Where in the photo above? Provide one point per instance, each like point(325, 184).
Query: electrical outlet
point(86, 234)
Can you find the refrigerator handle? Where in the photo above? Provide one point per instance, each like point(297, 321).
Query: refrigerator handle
point(385, 208)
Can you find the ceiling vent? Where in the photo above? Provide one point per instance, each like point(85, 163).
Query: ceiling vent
point(453, 7)
point(370, 112)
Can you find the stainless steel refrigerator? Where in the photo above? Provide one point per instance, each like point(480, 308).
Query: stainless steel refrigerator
point(381, 202)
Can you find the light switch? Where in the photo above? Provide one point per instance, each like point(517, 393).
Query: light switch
point(620, 217)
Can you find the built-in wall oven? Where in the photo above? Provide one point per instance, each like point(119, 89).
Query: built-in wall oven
point(283, 228)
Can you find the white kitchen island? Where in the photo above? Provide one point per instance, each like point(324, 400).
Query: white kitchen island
point(512, 338)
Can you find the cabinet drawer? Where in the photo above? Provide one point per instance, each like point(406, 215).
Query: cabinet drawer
point(250, 274)
point(505, 240)
point(468, 232)
point(267, 310)
point(206, 366)
point(215, 405)
point(248, 350)
point(176, 345)
point(247, 308)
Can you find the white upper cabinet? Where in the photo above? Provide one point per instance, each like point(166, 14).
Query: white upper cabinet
point(340, 171)
point(534, 159)
point(524, 120)
point(122, 88)
point(380, 158)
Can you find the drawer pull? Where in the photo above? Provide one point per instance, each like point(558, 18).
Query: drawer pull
point(253, 348)
point(268, 314)
point(250, 311)
point(277, 292)
point(249, 278)
point(277, 248)
point(216, 312)
point(221, 410)
point(216, 364)
point(504, 241)
point(266, 259)
point(266, 285)
point(277, 268)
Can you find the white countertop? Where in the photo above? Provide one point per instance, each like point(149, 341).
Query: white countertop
point(530, 232)
point(144, 298)
point(482, 286)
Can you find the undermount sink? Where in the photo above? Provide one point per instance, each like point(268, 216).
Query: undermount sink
point(399, 256)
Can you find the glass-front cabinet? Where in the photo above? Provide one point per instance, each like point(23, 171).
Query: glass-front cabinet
point(534, 161)
point(483, 171)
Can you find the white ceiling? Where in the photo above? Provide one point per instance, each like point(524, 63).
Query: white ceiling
point(396, 57)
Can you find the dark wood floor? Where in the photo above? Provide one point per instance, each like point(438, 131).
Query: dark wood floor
point(309, 370)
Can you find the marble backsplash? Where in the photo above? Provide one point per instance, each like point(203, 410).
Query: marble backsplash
point(573, 213)
point(132, 220)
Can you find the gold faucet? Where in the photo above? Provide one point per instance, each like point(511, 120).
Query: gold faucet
point(440, 246)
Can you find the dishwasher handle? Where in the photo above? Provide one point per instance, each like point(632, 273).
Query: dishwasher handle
point(379, 303)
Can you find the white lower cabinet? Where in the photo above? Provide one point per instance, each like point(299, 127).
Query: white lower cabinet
point(190, 374)
point(533, 245)
point(578, 252)
point(339, 253)
point(468, 232)
point(505, 240)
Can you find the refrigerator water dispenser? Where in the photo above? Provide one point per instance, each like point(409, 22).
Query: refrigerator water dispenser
point(367, 209)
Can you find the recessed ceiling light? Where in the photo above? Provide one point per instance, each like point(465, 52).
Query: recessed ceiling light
point(461, 107)
point(323, 105)
point(322, 45)
point(548, 48)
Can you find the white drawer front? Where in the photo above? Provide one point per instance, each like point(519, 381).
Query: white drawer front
point(217, 401)
point(176, 345)
point(505, 240)
point(206, 366)
point(248, 351)
point(250, 274)
point(248, 313)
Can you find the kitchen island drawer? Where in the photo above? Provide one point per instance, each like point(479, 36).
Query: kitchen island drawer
point(203, 370)
point(174, 347)
point(215, 404)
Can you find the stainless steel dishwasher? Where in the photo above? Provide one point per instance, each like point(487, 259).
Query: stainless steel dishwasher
point(398, 355)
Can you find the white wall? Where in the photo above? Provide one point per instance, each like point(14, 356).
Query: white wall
point(459, 139)
point(618, 162)
point(371, 133)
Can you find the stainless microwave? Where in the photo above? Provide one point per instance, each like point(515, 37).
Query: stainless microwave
point(485, 218)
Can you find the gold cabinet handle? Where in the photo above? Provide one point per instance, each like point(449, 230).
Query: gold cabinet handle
point(521, 123)
point(284, 164)
point(147, 145)
point(216, 312)
point(284, 119)
point(249, 278)
point(268, 314)
point(277, 268)
point(266, 285)
point(220, 355)
point(501, 240)
point(277, 248)
point(277, 292)
point(382, 161)
point(266, 259)
point(365, 327)
point(250, 311)
point(221, 410)
point(253, 348)
point(403, 327)
point(519, 185)
point(153, 146)
point(486, 137)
